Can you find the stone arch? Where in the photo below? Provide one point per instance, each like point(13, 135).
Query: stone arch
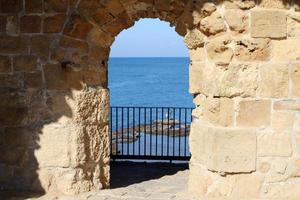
point(243, 53)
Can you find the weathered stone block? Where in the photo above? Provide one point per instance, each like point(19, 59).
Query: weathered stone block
point(54, 24)
point(280, 4)
point(194, 39)
point(237, 20)
point(213, 24)
point(218, 111)
point(5, 64)
point(221, 148)
point(286, 50)
point(67, 42)
point(78, 27)
point(274, 80)
point(295, 78)
point(292, 105)
point(197, 55)
point(241, 4)
point(196, 77)
point(293, 28)
point(13, 115)
point(25, 63)
point(218, 50)
point(274, 144)
point(2, 24)
point(268, 24)
point(30, 24)
point(40, 45)
point(100, 38)
point(283, 120)
point(253, 50)
point(33, 6)
point(247, 185)
point(254, 113)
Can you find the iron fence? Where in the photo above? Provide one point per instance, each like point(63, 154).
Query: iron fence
point(150, 133)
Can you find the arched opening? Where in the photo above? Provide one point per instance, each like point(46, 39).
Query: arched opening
point(150, 103)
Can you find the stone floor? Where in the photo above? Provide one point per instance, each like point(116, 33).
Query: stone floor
point(136, 181)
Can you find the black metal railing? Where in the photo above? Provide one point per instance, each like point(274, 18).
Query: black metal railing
point(150, 133)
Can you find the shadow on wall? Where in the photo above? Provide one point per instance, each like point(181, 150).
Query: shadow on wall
point(24, 114)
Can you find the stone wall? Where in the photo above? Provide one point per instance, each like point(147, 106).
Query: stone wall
point(244, 75)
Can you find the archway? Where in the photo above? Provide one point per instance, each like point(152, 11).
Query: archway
point(244, 76)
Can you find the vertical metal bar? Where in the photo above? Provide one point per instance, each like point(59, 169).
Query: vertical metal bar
point(174, 111)
point(111, 132)
point(150, 131)
point(162, 129)
point(179, 129)
point(117, 131)
point(122, 131)
point(139, 131)
point(133, 131)
point(156, 124)
point(168, 142)
point(128, 130)
point(185, 132)
point(145, 131)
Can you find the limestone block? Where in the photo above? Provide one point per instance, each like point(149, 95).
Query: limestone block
point(274, 144)
point(230, 150)
point(293, 21)
point(30, 24)
point(247, 185)
point(196, 77)
point(197, 143)
point(33, 6)
point(213, 24)
point(241, 4)
point(268, 24)
point(295, 77)
point(13, 45)
point(254, 113)
point(237, 80)
point(194, 39)
point(218, 111)
point(291, 105)
point(282, 120)
point(280, 4)
point(218, 50)
point(297, 150)
point(253, 50)
point(274, 80)
point(54, 145)
point(197, 55)
point(237, 20)
point(100, 38)
point(286, 50)
point(282, 191)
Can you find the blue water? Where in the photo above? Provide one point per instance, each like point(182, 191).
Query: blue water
point(149, 82)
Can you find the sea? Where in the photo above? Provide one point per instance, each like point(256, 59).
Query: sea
point(149, 82)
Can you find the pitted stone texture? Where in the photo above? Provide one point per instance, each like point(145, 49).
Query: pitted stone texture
point(237, 20)
point(286, 50)
point(241, 4)
point(293, 21)
point(194, 39)
point(281, 4)
point(218, 50)
point(213, 24)
point(253, 50)
point(274, 80)
point(268, 24)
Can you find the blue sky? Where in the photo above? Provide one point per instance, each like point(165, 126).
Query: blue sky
point(149, 38)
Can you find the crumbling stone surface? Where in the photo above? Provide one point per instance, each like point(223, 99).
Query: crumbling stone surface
point(244, 76)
